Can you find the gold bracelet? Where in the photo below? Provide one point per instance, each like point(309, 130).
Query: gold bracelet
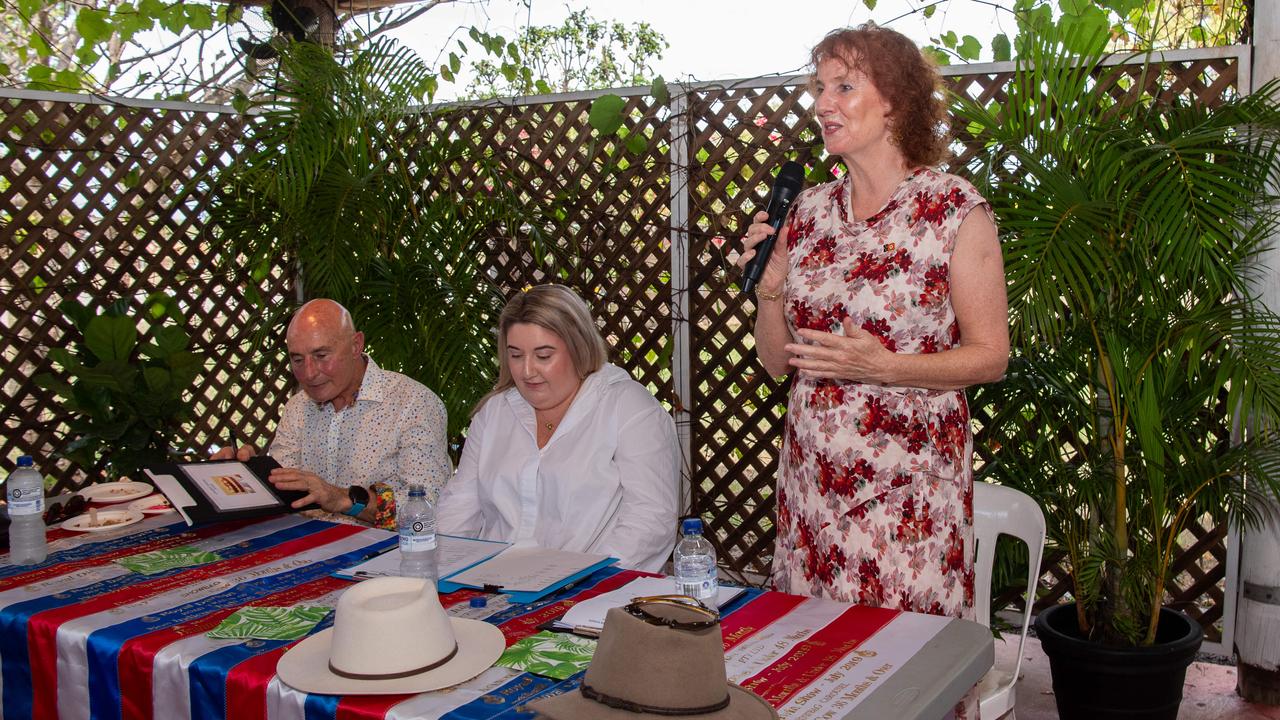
point(771, 297)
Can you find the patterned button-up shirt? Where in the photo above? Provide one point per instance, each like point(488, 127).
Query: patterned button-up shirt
point(394, 433)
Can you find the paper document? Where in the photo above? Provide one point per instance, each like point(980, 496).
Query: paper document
point(452, 554)
point(588, 615)
point(525, 569)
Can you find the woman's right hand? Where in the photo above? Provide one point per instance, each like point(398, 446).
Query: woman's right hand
point(774, 276)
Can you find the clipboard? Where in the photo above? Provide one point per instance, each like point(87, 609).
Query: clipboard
point(459, 580)
point(215, 490)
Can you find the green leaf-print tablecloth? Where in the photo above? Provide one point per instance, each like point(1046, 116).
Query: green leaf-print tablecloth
point(270, 623)
point(168, 559)
point(555, 655)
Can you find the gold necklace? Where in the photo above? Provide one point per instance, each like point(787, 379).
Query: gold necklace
point(549, 426)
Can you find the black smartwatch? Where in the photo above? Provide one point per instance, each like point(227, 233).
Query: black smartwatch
point(359, 500)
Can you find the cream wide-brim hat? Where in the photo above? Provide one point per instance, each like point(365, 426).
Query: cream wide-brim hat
point(391, 636)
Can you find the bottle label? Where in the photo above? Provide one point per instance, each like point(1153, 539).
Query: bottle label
point(705, 589)
point(419, 541)
point(26, 501)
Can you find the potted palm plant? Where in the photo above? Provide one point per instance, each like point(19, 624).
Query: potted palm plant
point(1143, 392)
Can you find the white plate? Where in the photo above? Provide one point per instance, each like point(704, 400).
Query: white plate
point(147, 505)
point(117, 518)
point(115, 492)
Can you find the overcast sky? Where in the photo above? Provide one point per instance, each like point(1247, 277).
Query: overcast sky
point(715, 39)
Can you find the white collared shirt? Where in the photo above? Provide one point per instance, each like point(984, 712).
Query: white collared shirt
point(607, 481)
point(394, 433)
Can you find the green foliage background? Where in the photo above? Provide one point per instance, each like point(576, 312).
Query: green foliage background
point(379, 210)
point(131, 382)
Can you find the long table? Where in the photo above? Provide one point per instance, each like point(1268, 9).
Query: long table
point(83, 637)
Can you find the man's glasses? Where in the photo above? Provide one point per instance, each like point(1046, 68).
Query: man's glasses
point(58, 511)
point(640, 608)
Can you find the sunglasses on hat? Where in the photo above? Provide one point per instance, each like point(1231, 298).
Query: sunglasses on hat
point(641, 607)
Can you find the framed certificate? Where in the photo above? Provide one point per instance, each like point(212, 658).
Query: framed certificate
point(213, 490)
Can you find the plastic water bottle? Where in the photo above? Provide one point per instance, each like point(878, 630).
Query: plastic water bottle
point(695, 564)
point(417, 523)
point(25, 491)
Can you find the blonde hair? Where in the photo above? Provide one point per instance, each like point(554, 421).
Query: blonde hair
point(560, 310)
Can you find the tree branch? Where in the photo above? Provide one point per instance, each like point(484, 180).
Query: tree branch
point(407, 17)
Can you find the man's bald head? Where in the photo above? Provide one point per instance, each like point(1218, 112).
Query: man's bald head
point(323, 313)
point(326, 353)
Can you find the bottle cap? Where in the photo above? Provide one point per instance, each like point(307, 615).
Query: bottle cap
point(691, 526)
point(479, 601)
point(25, 461)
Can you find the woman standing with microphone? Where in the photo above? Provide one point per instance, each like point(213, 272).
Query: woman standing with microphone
point(885, 293)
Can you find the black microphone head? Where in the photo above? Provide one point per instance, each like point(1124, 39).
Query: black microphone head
point(791, 175)
point(785, 188)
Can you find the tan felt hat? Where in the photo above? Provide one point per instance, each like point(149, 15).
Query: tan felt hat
point(657, 659)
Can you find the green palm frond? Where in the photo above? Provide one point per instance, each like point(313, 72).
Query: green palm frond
point(379, 209)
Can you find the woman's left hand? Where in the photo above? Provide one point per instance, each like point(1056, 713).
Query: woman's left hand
point(858, 356)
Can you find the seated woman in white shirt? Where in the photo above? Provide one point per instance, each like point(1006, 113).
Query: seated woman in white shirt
point(567, 451)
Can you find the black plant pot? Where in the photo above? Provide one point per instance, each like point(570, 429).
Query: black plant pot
point(1092, 681)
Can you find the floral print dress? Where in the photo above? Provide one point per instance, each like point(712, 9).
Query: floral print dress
point(875, 494)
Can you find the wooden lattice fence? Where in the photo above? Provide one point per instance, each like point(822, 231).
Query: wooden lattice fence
point(95, 202)
point(606, 237)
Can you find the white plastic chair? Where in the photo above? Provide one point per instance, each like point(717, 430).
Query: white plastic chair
point(999, 510)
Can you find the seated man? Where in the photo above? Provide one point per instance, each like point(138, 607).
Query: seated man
point(357, 435)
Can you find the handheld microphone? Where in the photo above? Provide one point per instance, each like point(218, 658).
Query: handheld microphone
point(785, 189)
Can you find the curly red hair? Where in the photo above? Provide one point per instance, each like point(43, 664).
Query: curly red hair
point(904, 76)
